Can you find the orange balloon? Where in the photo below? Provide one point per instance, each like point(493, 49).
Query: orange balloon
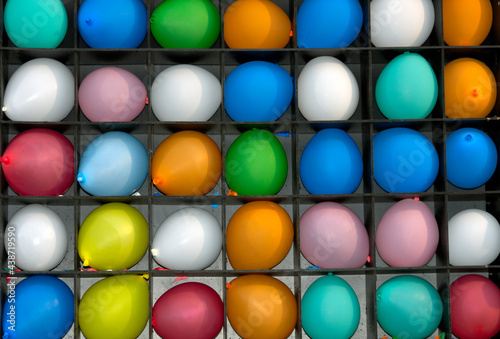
point(256, 24)
point(470, 89)
point(186, 163)
point(258, 236)
point(466, 22)
point(261, 307)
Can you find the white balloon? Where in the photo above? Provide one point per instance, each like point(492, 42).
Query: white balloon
point(400, 23)
point(40, 90)
point(185, 93)
point(37, 237)
point(327, 90)
point(188, 239)
point(474, 238)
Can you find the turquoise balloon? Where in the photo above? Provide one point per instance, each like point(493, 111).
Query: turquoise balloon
point(407, 88)
point(330, 309)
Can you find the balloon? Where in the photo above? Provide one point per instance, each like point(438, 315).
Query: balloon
point(186, 24)
point(331, 163)
point(327, 90)
point(39, 161)
point(473, 238)
point(188, 239)
point(256, 164)
point(39, 307)
point(328, 24)
point(189, 310)
point(404, 160)
point(35, 23)
point(116, 307)
point(254, 24)
point(408, 307)
point(257, 91)
point(259, 236)
point(407, 88)
point(186, 163)
point(408, 234)
point(185, 93)
point(406, 23)
point(333, 236)
point(114, 163)
point(330, 309)
point(113, 237)
point(41, 89)
point(475, 307)
point(466, 22)
point(39, 237)
point(261, 306)
point(470, 89)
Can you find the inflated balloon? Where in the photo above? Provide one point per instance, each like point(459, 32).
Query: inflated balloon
point(113, 23)
point(257, 91)
point(188, 239)
point(256, 164)
point(470, 89)
point(186, 163)
point(185, 93)
point(253, 24)
point(185, 24)
point(333, 236)
point(188, 310)
point(404, 160)
point(330, 308)
point(39, 161)
point(113, 237)
point(39, 237)
point(38, 307)
point(466, 22)
point(328, 24)
point(327, 90)
point(35, 24)
point(408, 307)
point(116, 307)
point(407, 88)
point(473, 238)
point(41, 89)
point(331, 163)
point(261, 306)
point(114, 163)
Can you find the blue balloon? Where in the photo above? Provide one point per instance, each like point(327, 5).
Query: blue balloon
point(471, 158)
point(41, 307)
point(404, 161)
point(331, 163)
point(113, 164)
point(113, 23)
point(257, 91)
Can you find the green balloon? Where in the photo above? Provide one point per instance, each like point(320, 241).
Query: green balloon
point(256, 164)
point(186, 24)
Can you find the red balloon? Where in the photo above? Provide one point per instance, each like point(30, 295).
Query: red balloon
point(39, 162)
point(188, 311)
point(475, 307)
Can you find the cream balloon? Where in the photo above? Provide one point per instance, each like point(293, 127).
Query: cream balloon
point(327, 90)
point(41, 89)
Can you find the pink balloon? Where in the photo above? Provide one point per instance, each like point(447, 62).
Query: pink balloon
point(112, 94)
point(333, 236)
point(407, 235)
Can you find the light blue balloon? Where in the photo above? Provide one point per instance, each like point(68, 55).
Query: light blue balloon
point(113, 164)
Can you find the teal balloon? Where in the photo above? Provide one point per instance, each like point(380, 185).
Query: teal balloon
point(407, 88)
point(330, 309)
point(409, 307)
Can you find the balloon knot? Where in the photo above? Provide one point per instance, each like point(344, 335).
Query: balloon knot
point(156, 181)
point(291, 33)
point(475, 92)
point(4, 109)
point(232, 193)
point(6, 336)
point(86, 263)
point(80, 178)
point(369, 259)
point(228, 285)
point(147, 100)
point(416, 198)
point(5, 160)
point(145, 276)
point(154, 252)
point(153, 321)
point(88, 21)
point(468, 137)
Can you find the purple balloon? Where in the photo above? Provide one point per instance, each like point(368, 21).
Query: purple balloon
point(333, 236)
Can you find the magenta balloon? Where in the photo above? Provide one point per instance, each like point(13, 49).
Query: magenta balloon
point(111, 94)
point(407, 235)
point(333, 236)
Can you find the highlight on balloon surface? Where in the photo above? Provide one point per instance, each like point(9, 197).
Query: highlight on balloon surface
point(466, 22)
